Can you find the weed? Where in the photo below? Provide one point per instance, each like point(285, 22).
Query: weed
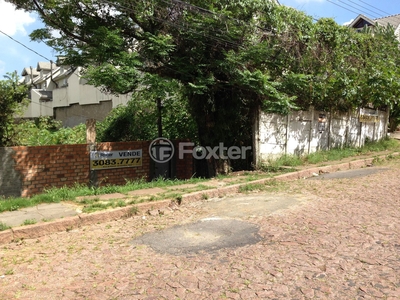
point(9, 272)
point(120, 203)
point(95, 207)
point(28, 287)
point(250, 187)
point(376, 160)
point(232, 290)
point(170, 195)
point(390, 157)
point(179, 199)
point(29, 222)
point(204, 196)
point(269, 185)
point(88, 200)
point(132, 211)
point(4, 226)
point(108, 189)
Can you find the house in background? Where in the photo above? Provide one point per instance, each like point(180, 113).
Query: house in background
point(60, 92)
point(361, 21)
point(39, 79)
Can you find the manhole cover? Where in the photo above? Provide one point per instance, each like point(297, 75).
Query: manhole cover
point(206, 235)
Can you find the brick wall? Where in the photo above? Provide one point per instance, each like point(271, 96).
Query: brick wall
point(119, 176)
point(46, 166)
point(10, 179)
point(26, 171)
point(184, 168)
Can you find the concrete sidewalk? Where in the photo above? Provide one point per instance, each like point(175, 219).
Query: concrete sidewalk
point(57, 217)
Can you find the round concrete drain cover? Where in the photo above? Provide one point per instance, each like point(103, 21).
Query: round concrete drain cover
point(206, 235)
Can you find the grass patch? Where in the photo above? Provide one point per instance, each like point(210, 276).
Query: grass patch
point(92, 205)
point(269, 185)
point(283, 164)
point(179, 199)
point(9, 272)
point(132, 211)
point(288, 162)
point(29, 222)
point(56, 195)
point(96, 207)
point(204, 196)
point(251, 187)
point(158, 183)
point(4, 226)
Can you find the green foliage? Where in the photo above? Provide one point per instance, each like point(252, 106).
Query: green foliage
point(138, 119)
point(269, 185)
point(230, 59)
point(29, 222)
point(4, 226)
point(46, 131)
point(337, 154)
point(13, 97)
point(55, 195)
point(394, 119)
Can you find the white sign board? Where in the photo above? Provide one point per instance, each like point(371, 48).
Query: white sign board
point(115, 159)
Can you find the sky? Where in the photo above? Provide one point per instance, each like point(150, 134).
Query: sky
point(18, 25)
point(344, 11)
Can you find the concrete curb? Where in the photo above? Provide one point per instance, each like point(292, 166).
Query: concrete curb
point(69, 223)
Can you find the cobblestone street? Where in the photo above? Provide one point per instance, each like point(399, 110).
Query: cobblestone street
point(343, 242)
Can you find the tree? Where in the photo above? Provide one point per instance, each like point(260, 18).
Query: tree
point(13, 96)
point(231, 58)
point(138, 119)
point(118, 42)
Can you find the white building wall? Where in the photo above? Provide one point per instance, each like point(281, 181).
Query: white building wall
point(301, 132)
point(37, 108)
point(71, 90)
point(77, 92)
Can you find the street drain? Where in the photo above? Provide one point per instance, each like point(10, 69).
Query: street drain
point(206, 235)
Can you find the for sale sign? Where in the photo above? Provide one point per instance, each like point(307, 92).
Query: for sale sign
point(115, 159)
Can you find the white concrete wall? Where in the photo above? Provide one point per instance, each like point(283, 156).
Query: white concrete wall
point(37, 108)
point(78, 92)
point(299, 134)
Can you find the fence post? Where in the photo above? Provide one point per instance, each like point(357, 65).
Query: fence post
point(329, 129)
point(310, 135)
point(256, 137)
point(91, 141)
point(287, 133)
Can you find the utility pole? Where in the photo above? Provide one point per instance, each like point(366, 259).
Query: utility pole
point(159, 120)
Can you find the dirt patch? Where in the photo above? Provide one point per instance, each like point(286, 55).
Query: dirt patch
point(246, 206)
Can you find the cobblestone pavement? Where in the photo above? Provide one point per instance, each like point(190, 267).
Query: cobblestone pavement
point(343, 243)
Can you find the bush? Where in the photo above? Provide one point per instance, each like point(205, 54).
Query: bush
point(46, 131)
